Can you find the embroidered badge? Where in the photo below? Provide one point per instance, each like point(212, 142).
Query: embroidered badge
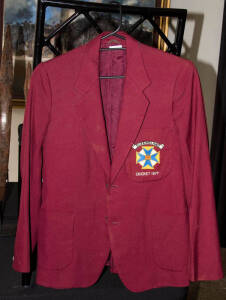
point(147, 157)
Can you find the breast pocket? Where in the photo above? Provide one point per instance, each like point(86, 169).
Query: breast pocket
point(150, 157)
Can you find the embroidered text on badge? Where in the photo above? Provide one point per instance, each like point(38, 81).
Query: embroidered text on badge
point(135, 146)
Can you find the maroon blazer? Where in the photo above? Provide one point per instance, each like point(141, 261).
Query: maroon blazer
point(117, 164)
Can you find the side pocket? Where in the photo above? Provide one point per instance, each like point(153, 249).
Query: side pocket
point(170, 241)
point(55, 239)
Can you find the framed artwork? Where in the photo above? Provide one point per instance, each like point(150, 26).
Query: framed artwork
point(163, 23)
point(21, 15)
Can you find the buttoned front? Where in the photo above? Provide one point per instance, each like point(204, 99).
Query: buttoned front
point(114, 186)
point(125, 167)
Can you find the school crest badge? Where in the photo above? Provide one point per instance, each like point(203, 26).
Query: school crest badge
point(150, 158)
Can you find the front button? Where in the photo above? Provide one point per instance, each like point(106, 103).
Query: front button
point(114, 186)
point(115, 222)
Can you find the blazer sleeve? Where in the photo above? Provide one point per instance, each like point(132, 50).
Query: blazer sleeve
point(36, 119)
point(189, 116)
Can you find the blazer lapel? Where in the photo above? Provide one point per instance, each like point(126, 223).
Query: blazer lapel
point(135, 102)
point(133, 111)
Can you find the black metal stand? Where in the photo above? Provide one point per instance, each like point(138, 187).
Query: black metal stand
point(80, 7)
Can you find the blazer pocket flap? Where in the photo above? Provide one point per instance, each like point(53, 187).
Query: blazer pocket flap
point(170, 237)
point(55, 239)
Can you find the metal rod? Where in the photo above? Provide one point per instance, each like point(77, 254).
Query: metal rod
point(63, 25)
point(105, 49)
point(39, 33)
point(111, 77)
point(166, 40)
point(103, 7)
point(179, 35)
point(136, 24)
point(92, 21)
point(52, 48)
point(120, 24)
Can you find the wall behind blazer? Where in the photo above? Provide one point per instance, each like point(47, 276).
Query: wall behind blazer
point(202, 44)
point(202, 47)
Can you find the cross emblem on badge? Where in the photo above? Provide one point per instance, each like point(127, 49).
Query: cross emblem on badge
point(147, 157)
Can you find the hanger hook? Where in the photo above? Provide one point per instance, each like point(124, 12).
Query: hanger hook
point(119, 27)
point(120, 14)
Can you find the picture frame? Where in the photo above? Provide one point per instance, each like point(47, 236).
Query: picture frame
point(163, 23)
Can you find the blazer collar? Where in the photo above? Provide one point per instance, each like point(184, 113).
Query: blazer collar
point(88, 101)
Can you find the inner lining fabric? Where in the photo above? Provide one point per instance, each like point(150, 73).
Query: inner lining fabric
point(112, 63)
